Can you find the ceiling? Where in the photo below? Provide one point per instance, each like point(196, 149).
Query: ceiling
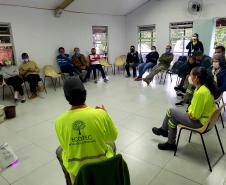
point(111, 7)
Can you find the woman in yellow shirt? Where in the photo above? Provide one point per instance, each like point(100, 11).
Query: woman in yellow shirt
point(201, 108)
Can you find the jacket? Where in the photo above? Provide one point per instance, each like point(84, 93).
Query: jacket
point(152, 57)
point(9, 71)
point(79, 61)
point(166, 59)
point(132, 58)
point(113, 171)
point(28, 68)
point(205, 62)
point(194, 48)
point(63, 60)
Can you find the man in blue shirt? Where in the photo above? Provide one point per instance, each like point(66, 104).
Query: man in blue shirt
point(65, 63)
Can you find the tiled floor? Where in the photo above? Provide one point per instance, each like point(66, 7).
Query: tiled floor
point(135, 109)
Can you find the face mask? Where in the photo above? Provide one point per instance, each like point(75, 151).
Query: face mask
point(167, 50)
point(194, 38)
point(216, 65)
point(153, 50)
point(132, 50)
point(26, 60)
point(190, 80)
point(77, 53)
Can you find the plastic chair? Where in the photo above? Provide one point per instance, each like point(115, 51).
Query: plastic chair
point(165, 72)
point(211, 123)
point(105, 64)
point(4, 85)
point(50, 72)
point(120, 61)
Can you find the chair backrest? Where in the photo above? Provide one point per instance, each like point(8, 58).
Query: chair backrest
point(49, 70)
point(104, 62)
point(213, 119)
point(113, 171)
point(120, 60)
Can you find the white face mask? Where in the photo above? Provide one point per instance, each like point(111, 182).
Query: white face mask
point(216, 65)
point(26, 60)
point(190, 80)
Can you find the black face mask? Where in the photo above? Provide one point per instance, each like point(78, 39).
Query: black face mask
point(132, 50)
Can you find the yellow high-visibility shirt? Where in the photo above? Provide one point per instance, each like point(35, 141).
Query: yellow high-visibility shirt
point(202, 104)
point(83, 134)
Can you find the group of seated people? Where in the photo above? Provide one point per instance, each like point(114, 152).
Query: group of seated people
point(78, 63)
point(16, 77)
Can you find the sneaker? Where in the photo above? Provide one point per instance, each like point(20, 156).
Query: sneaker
point(178, 88)
point(159, 132)
point(180, 94)
point(138, 79)
point(33, 95)
point(146, 80)
point(167, 146)
point(128, 76)
point(95, 81)
point(106, 80)
point(23, 99)
point(181, 103)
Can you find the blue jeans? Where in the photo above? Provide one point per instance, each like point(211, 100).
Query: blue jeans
point(144, 67)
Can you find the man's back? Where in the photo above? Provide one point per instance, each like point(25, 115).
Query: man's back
point(83, 134)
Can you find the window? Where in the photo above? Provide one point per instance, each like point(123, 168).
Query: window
point(100, 40)
point(146, 39)
point(220, 35)
point(6, 43)
point(180, 35)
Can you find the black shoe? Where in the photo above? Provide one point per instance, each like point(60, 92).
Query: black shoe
point(181, 103)
point(177, 88)
point(167, 146)
point(180, 94)
point(159, 132)
point(128, 76)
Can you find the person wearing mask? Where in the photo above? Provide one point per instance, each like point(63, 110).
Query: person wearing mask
point(194, 45)
point(218, 70)
point(79, 61)
point(151, 61)
point(94, 60)
point(11, 77)
point(132, 61)
point(201, 108)
point(83, 132)
point(184, 72)
point(30, 73)
point(202, 60)
point(220, 50)
point(164, 64)
point(65, 63)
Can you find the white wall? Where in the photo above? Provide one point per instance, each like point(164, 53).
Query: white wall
point(162, 12)
point(40, 34)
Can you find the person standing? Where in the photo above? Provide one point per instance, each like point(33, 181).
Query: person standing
point(194, 45)
point(132, 61)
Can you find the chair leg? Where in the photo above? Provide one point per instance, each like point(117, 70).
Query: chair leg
point(190, 137)
point(165, 78)
point(53, 83)
point(222, 121)
point(218, 136)
point(44, 86)
point(207, 157)
point(223, 103)
point(178, 138)
point(3, 92)
point(171, 77)
point(26, 89)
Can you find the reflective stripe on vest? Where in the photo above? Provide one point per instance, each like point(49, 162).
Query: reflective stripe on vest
point(87, 157)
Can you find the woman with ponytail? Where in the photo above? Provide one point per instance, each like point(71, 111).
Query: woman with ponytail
point(201, 108)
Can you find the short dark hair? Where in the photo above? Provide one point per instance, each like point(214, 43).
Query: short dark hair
point(220, 47)
point(77, 98)
point(196, 34)
point(132, 46)
point(198, 53)
point(24, 55)
point(60, 48)
point(153, 47)
point(93, 48)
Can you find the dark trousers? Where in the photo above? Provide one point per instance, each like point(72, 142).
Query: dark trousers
point(133, 66)
point(59, 157)
point(88, 69)
point(100, 68)
point(16, 82)
point(33, 80)
point(69, 69)
point(173, 118)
